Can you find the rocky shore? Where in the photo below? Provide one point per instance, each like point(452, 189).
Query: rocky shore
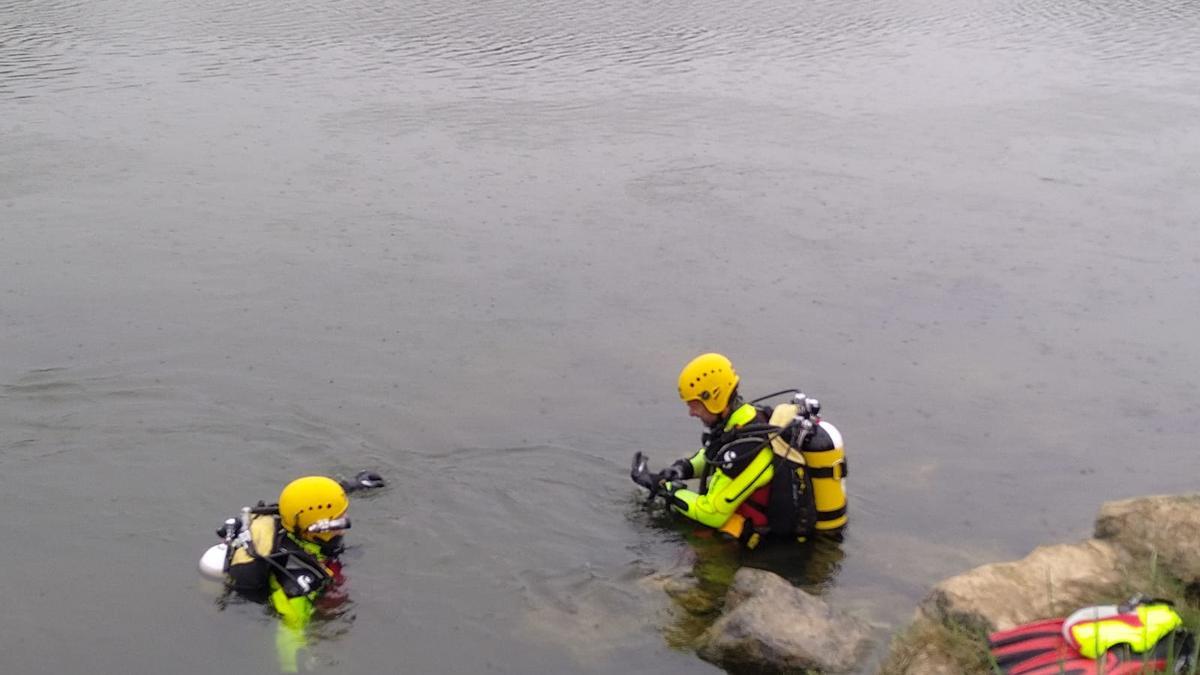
point(1144, 545)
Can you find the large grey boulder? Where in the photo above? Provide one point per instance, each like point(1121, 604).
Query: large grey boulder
point(1163, 526)
point(1050, 581)
point(772, 626)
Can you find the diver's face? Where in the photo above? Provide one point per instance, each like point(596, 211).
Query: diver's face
point(696, 409)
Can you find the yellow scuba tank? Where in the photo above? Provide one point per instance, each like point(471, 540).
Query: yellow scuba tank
point(820, 452)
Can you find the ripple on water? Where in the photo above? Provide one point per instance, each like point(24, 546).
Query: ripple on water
point(1141, 32)
point(36, 49)
point(494, 45)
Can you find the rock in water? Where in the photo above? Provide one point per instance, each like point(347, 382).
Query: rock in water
point(771, 625)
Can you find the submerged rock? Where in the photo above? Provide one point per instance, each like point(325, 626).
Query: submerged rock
point(1163, 526)
point(770, 625)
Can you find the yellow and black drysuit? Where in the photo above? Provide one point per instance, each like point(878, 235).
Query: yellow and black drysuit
point(729, 473)
point(291, 572)
point(749, 489)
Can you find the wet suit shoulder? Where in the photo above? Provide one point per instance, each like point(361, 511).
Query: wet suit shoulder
point(718, 436)
point(729, 473)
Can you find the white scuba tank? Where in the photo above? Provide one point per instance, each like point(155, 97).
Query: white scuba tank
point(212, 563)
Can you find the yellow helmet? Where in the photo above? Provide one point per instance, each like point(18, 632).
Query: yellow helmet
point(311, 499)
point(709, 378)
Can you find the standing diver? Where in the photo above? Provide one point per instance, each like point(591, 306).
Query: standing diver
point(763, 470)
point(289, 553)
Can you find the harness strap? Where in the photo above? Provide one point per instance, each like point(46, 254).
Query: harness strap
point(829, 471)
point(831, 515)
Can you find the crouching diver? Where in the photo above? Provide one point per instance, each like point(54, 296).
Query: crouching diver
point(288, 552)
point(763, 470)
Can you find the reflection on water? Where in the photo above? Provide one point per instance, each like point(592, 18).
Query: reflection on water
point(813, 566)
point(699, 581)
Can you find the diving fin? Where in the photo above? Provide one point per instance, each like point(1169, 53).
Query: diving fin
point(1069, 662)
point(1109, 664)
point(1032, 654)
point(1038, 648)
point(1029, 646)
point(1044, 628)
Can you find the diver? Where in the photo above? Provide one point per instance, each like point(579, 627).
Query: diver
point(777, 471)
point(288, 554)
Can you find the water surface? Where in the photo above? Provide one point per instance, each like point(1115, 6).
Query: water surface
point(471, 244)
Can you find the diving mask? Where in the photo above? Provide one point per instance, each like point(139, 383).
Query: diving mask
point(329, 525)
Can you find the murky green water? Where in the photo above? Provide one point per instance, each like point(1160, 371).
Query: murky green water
point(472, 244)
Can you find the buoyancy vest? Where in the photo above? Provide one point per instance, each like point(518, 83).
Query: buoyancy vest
point(813, 488)
point(756, 507)
point(271, 552)
point(1140, 623)
point(246, 566)
point(721, 448)
point(807, 492)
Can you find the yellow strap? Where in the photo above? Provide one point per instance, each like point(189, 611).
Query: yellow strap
point(783, 416)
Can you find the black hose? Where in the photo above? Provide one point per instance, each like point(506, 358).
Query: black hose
point(759, 427)
point(778, 393)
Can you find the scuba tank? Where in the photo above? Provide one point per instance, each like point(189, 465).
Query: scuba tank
point(811, 479)
point(212, 563)
point(256, 547)
point(820, 445)
point(235, 534)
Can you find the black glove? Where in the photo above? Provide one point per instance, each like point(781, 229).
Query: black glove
point(675, 472)
point(658, 484)
point(364, 480)
point(641, 475)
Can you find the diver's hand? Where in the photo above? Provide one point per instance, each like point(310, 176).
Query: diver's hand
point(673, 473)
point(364, 480)
point(641, 475)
